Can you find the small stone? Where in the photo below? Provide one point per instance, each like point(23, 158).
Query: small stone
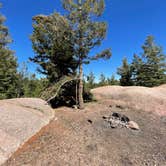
point(55, 118)
point(125, 119)
point(65, 150)
point(104, 117)
point(119, 106)
point(116, 115)
point(133, 125)
point(90, 121)
point(75, 106)
point(113, 124)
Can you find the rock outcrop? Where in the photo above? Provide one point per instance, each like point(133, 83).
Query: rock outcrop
point(19, 120)
point(134, 97)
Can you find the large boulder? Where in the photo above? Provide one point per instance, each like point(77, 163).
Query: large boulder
point(135, 97)
point(21, 119)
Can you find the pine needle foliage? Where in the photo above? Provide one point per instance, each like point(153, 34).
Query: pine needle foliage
point(63, 43)
point(8, 65)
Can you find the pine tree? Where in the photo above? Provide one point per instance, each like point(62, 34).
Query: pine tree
point(91, 80)
point(53, 44)
point(102, 79)
point(136, 69)
point(63, 43)
point(125, 72)
point(154, 64)
point(88, 33)
point(149, 69)
point(112, 81)
point(8, 65)
point(29, 85)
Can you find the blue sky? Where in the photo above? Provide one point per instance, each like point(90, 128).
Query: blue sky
point(129, 23)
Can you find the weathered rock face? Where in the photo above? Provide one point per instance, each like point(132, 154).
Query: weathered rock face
point(19, 120)
point(139, 98)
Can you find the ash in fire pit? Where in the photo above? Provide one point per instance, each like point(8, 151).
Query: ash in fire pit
point(120, 117)
point(119, 120)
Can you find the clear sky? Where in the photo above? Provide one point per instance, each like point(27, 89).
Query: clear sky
point(129, 23)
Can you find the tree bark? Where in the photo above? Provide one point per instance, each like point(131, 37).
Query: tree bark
point(80, 90)
point(80, 86)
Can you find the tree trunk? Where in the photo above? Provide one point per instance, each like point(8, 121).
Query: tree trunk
point(80, 86)
point(80, 90)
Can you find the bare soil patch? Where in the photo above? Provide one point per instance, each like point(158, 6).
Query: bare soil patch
point(83, 138)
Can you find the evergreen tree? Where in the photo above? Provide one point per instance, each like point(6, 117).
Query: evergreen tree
point(103, 80)
point(136, 69)
point(112, 81)
point(29, 85)
point(149, 69)
point(125, 72)
point(153, 67)
point(88, 33)
point(32, 86)
point(63, 43)
point(91, 80)
point(8, 65)
point(23, 79)
point(53, 44)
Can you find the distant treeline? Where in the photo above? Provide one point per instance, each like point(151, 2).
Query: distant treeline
point(15, 82)
point(147, 69)
point(90, 81)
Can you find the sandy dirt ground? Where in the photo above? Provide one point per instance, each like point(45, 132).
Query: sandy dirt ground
point(83, 138)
